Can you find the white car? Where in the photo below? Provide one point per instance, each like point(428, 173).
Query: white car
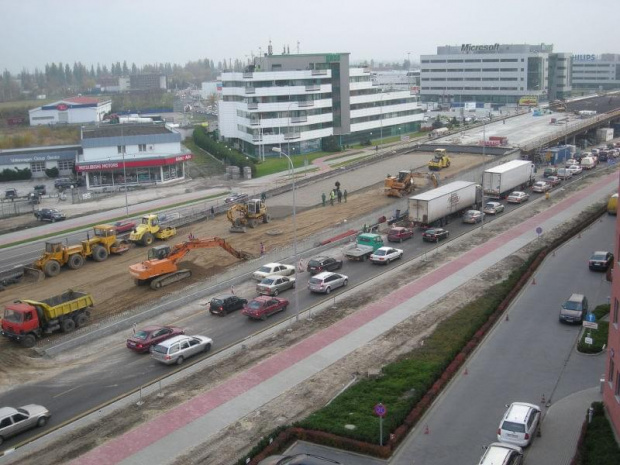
point(570, 162)
point(517, 197)
point(493, 208)
point(273, 268)
point(575, 169)
point(385, 255)
point(541, 186)
point(519, 424)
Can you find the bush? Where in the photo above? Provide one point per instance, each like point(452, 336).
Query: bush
point(232, 157)
point(600, 446)
point(15, 174)
point(52, 172)
point(330, 144)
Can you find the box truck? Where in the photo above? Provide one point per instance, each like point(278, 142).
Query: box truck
point(437, 206)
point(499, 181)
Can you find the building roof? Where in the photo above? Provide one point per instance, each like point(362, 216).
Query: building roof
point(122, 130)
point(82, 100)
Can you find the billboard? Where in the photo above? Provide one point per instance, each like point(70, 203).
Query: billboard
point(528, 101)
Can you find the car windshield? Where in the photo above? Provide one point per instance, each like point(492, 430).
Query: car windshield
point(314, 263)
point(394, 232)
point(142, 335)
point(572, 305)
point(268, 281)
point(255, 304)
point(514, 427)
point(217, 302)
point(13, 316)
point(380, 252)
point(599, 256)
point(264, 269)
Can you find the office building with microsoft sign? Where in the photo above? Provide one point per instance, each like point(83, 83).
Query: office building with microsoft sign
point(496, 74)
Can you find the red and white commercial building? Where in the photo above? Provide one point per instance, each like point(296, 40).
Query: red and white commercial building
point(74, 110)
point(131, 154)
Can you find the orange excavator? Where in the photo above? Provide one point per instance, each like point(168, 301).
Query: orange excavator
point(161, 267)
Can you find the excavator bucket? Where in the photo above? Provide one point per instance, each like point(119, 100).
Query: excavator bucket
point(33, 274)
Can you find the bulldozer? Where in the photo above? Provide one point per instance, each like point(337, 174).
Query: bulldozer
point(150, 229)
point(399, 186)
point(160, 269)
point(99, 247)
point(439, 161)
point(248, 213)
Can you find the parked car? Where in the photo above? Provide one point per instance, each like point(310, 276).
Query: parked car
point(553, 180)
point(143, 340)
point(493, 208)
point(234, 197)
point(263, 306)
point(273, 268)
point(541, 187)
point(224, 304)
point(10, 194)
point(473, 216)
point(16, 420)
point(179, 348)
point(274, 284)
point(385, 255)
point(550, 171)
point(435, 235)
point(326, 282)
point(564, 173)
point(519, 424)
point(321, 263)
point(49, 214)
point(574, 309)
point(63, 183)
point(575, 169)
point(122, 227)
point(500, 453)
point(298, 459)
point(40, 189)
point(399, 234)
point(570, 162)
point(600, 260)
point(517, 197)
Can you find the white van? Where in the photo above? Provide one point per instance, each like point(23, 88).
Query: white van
point(587, 163)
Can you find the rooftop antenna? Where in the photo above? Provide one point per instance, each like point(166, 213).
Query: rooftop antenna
point(270, 48)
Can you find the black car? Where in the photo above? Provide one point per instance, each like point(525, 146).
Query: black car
point(63, 183)
point(223, 304)
point(10, 194)
point(435, 235)
point(320, 264)
point(49, 214)
point(600, 260)
point(40, 189)
point(550, 171)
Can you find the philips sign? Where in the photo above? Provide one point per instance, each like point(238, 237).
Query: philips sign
point(585, 57)
point(468, 48)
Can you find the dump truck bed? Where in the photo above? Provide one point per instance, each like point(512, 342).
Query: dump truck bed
point(67, 302)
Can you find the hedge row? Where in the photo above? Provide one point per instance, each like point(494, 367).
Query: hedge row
point(231, 157)
point(409, 387)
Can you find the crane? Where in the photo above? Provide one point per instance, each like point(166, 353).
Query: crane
point(160, 269)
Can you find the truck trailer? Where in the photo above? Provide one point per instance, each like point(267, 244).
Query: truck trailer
point(499, 181)
point(25, 321)
point(437, 206)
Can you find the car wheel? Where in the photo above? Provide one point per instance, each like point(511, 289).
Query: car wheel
point(328, 290)
point(207, 348)
point(263, 317)
point(53, 220)
point(80, 320)
point(51, 269)
point(28, 341)
point(180, 360)
point(275, 293)
point(67, 325)
point(346, 281)
point(294, 284)
point(42, 422)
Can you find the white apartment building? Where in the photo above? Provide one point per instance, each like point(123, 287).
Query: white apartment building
point(491, 73)
point(596, 72)
point(294, 102)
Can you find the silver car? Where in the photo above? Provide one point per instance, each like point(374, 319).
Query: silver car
point(16, 420)
point(326, 282)
point(179, 348)
point(493, 208)
point(274, 284)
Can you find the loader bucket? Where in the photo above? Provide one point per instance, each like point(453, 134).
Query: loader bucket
point(33, 274)
point(237, 229)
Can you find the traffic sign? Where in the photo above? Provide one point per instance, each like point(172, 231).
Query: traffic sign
point(539, 230)
point(589, 340)
point(590, 324)
point(380, 410)
point(591, 317)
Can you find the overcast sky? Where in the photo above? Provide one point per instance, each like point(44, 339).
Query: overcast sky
point(36, 32)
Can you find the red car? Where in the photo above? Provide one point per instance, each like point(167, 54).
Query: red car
point(122, 227)
point(149, 336)
point(399, 234)
point(263, 306)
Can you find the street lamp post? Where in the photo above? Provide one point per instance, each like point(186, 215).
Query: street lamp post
point(484, 161)
point(296, 258)
point(124, 149)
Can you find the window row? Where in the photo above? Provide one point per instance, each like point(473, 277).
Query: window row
point(476, 60)
point(473, 70)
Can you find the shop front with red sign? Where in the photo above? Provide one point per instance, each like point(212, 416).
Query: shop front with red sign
point(133, 171)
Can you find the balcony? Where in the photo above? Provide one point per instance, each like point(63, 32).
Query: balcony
point(305, 103)
point(313, 88)
point(319, 72)
point(252, 106)
point(292, 135)
point(299, 119)
point(248, 75)
point(254, 122)
point(257, 138)
point(250, 90)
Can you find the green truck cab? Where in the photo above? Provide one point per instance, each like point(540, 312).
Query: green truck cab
point(364, 246)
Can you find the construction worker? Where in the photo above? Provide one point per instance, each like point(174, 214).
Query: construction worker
point(332, 196)
point(262, 249)
point(212, 211)
point(345, 196)
point(324, 197)
point(339, 196)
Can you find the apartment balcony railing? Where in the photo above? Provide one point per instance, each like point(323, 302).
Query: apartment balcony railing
point(299, 119)
point(250, 90)
point(257, 138)
point(292, 135)
point(319, 72)
point(253, 106)
point(248, 75)
point(305, 103)
point(313, 88)
point(254, 122)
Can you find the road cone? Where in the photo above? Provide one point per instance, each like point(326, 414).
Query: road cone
point(534, 282)
point(507, 318)
point(543, 401)
point(553, 254)
point(465, 372)
point(426, 430)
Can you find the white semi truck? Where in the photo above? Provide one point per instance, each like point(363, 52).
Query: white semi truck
point(437, 206)
point(499, 181)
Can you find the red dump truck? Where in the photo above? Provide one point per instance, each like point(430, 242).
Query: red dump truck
point(25, 321)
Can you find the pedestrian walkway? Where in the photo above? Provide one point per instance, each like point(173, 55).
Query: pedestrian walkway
point(174, 433)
